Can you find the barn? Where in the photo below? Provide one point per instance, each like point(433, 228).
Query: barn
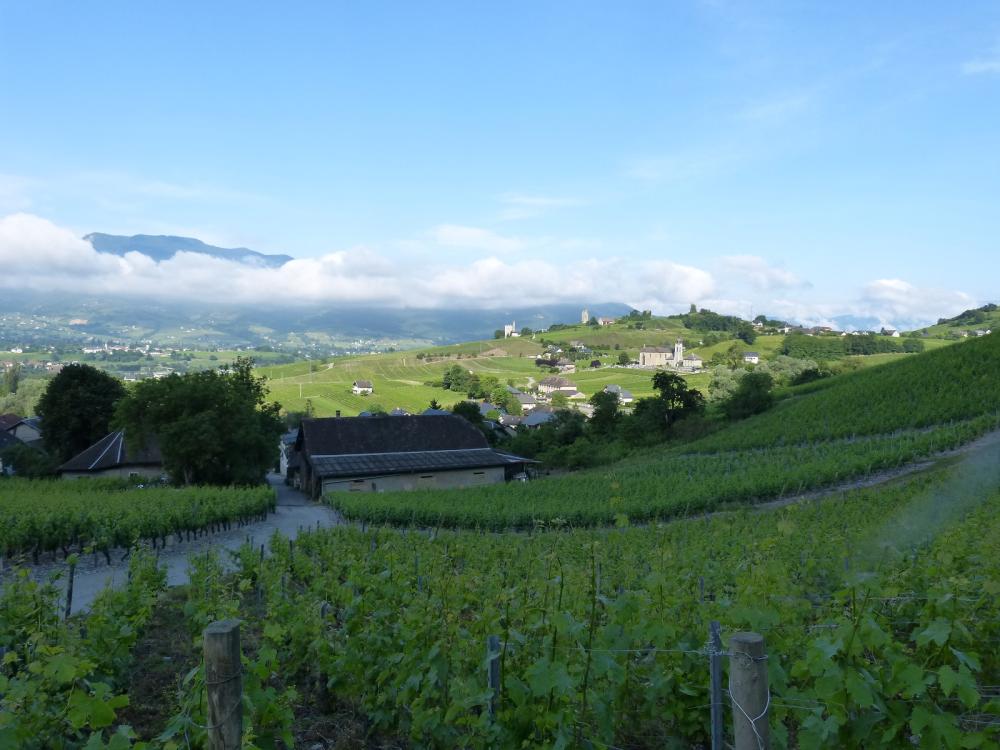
point(386, 454)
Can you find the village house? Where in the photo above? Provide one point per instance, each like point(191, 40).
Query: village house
point(566, 365)
point(346, 454)
point(27, 430)
point(110, 457)
point(605, 321)
point(751, 358)
point(538, 417)
point(624, 397)
point(555, 383)
point(362, 388)
point(692, 362)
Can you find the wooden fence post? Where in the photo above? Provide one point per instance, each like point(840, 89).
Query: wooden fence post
point(493, 671)
point(224, 685)
point(748, 691)
point(715, 674)
point(69, 587)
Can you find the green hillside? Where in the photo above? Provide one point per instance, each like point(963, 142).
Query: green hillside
point(904, 410)
point(986, 317)
point(400, 377)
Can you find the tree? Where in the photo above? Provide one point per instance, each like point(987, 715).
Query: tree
point(213, 427)
point(498, 333)
point(559, 400)
point(434, 404)
point(76, 409)
point(913, 346)
point(468, 411)
point(752, 396)
point(678, 399)
point(12, 378)
point(605, 418)
point(27, 461)
point(526, 331)
point(624, 359)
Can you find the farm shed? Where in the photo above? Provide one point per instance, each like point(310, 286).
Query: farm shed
point(111, 457)
point(347, 454)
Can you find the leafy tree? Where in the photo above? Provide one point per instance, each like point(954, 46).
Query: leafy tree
point(592, 322)
point(468, 411)
point(678, 399)
point(434, 404)
point(76, 409)
point(752, 396)
point(605, 418)
point(913, 346)
point(526, 331)
point(624, 359)
point(498, 333)
point(27, 461)
point(559, 400)
point(213, 427)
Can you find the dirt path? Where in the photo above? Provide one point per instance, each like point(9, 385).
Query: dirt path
point(294, 511)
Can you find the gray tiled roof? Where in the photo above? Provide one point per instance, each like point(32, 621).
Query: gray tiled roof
point(372, 464)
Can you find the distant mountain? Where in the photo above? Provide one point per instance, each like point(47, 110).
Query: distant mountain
point(163, 247)
point(42, 319)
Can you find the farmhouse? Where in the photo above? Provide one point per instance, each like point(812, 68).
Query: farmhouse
point(751, 358)
point(111, 457)
point(362, 388)
point(605, 321)
point(346, 454)
point(555, 383)
point(526, 400)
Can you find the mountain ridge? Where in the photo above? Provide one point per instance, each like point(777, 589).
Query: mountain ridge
point(162, 247)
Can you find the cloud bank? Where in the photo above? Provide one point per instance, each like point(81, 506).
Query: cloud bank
point(37, 255)
point(491, 271)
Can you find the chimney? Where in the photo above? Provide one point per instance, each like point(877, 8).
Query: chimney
point(338, 412)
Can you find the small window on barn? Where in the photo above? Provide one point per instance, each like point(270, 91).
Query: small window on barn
point(426, 476)
point(479, 473)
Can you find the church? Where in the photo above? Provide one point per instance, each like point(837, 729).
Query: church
point(661, 356)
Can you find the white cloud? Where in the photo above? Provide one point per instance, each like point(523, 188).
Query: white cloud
point(760, 274)
point(902, 304)
point(521, 206)
point(474, 238)
point(38, 255)
point(983, 65)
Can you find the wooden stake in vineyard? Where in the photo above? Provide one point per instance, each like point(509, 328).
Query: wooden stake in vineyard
point(748, 690)
point(224, 685)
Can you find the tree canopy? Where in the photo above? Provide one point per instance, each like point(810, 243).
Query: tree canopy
point(76, 409)
point(213, 427)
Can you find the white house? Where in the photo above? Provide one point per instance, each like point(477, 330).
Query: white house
point(362, 388)
point(555, 383)
point(751, 358)
point(605, 321)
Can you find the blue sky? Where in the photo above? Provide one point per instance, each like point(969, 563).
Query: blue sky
point(805, 159)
